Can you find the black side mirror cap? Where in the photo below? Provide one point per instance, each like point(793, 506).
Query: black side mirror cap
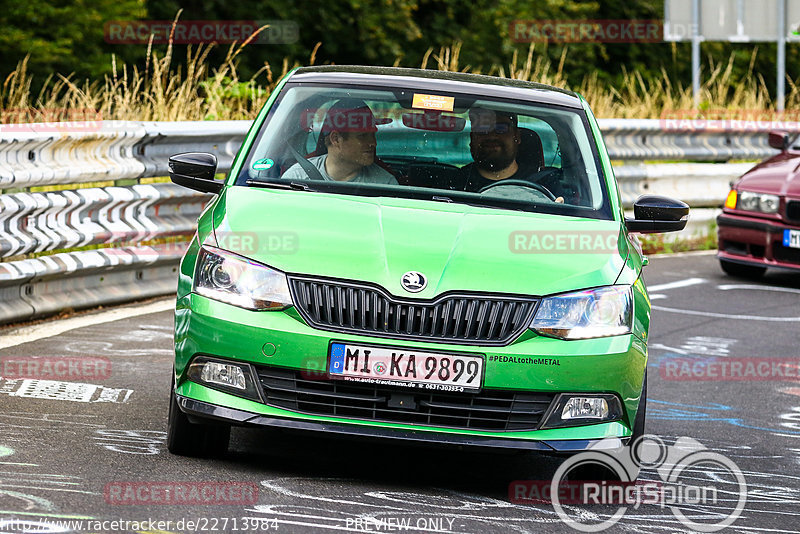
point(655, 214)
point(779, 139)
point(195, 170)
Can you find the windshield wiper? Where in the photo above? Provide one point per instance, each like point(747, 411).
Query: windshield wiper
point(280, 185)
point(442, 199)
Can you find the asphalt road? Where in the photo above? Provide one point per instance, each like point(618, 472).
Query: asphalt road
point(72, 451)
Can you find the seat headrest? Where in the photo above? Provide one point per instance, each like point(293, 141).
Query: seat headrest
point(531, 154)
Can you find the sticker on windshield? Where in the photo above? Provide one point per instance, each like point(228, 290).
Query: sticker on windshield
point(263, 164)
point(442, 103)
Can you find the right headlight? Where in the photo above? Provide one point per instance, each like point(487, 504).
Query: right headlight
point(602, 312)
point(227, 277)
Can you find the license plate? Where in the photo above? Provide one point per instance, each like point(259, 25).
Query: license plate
point(791, 238)
point(405, 368)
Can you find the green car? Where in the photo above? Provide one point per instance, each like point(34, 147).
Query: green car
point(403, 254)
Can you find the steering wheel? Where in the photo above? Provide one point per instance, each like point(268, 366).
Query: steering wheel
point(524, 183)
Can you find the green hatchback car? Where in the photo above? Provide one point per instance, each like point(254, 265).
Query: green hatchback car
point(414, 255)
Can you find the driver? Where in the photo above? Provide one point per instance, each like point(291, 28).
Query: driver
point(348, 137)
point(494, 144)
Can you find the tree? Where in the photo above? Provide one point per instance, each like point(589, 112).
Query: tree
point(64, 36)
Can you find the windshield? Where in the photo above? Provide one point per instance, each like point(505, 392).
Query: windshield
point(439, 146)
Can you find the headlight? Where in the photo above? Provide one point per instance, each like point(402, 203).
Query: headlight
point(226, 277)
point(762, 202)
point(769, 203)
point(602, 312)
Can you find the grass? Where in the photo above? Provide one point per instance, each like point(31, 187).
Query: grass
point(194, 90)
point(167, 90)
point(669, 243)
point(658, 244)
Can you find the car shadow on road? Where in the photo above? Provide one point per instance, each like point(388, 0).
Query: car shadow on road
point(274, 453)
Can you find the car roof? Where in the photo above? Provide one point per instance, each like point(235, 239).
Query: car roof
point(479, 85)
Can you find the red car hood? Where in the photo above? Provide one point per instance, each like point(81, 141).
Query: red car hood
point(779, 175)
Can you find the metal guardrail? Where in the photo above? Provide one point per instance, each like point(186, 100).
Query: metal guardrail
point(689, 140)
point(42, 222)
point(42, 286)
point(114, 217)
point(73, 153)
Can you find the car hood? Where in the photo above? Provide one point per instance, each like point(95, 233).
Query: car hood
point(779, 175)
point(456, 246)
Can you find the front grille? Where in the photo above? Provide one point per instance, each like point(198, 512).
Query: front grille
point(785, 254)
point(497, 410)
point(734, 247)
point(743, 249)
point(793, 211)
point(453, 318)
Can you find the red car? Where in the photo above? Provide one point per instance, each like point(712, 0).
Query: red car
point(759, 226)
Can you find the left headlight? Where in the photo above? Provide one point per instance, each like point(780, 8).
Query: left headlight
point(601, 312)
point(762, 202)
point(230, 278)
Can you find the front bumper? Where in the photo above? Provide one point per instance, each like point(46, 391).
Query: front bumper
point(754, 241)
point(205, 411)
point(283, 340)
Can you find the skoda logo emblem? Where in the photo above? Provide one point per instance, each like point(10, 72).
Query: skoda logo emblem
point(414, 281)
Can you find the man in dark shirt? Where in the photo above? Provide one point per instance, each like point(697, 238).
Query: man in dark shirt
point(494, 144)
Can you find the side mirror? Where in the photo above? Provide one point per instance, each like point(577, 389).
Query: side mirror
point(654, 214)
point(779, 139)
point(195, 170)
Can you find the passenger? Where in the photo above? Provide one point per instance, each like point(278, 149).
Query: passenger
point(348, 137)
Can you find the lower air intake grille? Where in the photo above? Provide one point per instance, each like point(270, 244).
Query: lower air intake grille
point(497, 410)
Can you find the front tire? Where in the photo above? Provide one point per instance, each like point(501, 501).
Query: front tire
point(185, 438)
point(641, 414)
point(741, 270)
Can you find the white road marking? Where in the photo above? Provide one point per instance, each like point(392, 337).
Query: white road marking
point(729, 316)
point(64, 391)
point(34, 333)
point(728, 287)
point(683, 254)
point(679, 283)
point(666, 347)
